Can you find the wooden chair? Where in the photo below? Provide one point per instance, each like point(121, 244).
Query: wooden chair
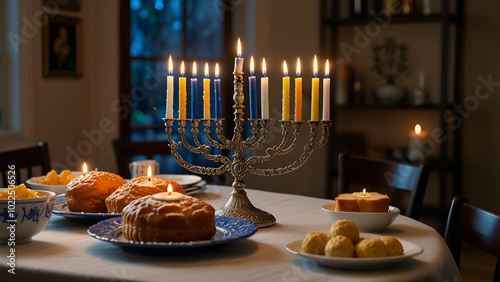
point(24, 159)
point(474, 225)
point(385, 173)
point(125, 150)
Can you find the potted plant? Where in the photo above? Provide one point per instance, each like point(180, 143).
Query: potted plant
point(390, 62)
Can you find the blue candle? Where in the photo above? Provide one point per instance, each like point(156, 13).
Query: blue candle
point(218, 104)
point(194, 95)
point(253, 91)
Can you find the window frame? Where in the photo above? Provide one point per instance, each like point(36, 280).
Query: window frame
point(125, 66)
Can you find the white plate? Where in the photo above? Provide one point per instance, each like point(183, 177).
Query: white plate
point(183, 179)
point(409, 248)
point(366, 221)
point(58, 189)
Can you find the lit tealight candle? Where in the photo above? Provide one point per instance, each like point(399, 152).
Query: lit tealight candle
point(169, 196)
point(361, 194)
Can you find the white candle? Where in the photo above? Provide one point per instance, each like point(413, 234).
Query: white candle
point(264, 91)
point(169, 196)
point(170, 90)
point(238, 61)
point(326, 93)
point(417, 151)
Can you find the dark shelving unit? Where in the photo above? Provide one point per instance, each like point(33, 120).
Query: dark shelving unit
point(450, 153)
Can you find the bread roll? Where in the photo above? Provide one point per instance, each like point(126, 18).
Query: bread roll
point(151, 219)
point(339, 246)
point(137, 188)
point(87, 193)
point(346, 228)
point(315, 242)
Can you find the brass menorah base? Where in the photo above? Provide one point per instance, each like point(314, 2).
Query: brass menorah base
point(239, 206)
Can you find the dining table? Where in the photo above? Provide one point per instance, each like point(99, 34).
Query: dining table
point(65, 251)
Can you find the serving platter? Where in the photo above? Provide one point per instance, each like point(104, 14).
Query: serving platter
point(228, 230)
point(409, 248)
point(61, 209)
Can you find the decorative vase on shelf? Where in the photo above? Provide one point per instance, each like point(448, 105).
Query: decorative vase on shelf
point(389, 94)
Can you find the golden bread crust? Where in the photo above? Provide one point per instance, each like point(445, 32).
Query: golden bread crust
point(136, 189)
point(87, 193)
point(371, 202)
point(151, 220)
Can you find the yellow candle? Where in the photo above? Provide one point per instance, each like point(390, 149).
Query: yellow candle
point(298, 94)
point(206, 94)
point(182, 94)
point(286, 93)
point(315, 93)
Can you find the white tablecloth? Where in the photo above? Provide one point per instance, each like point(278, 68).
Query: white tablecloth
point(65, 252)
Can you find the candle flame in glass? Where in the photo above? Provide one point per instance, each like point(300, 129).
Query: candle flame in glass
point(84, 168)
point(298, 67)
point(327, 69)
point(315, 67)
point(149, 173)
point(239, 47)
point(285, 68)
point(418, 129)
point(217, 71)
point(206, 70)
point(169, 189)
point(170, 65)
point(264, 69)
point(182, 69)
point(252, 66)
point(195, 71)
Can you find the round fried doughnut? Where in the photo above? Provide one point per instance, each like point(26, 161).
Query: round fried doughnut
point(315, 242)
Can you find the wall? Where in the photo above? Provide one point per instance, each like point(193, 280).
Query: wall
point(68, 111)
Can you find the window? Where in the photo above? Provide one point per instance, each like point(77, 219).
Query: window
point(189, 30)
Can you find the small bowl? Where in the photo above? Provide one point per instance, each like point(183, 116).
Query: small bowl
point(58, 189)
point(366, 221)
point(30, 218)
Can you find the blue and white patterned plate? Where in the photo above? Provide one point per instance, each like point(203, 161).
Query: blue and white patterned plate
point(60, 208)
point(228, 230)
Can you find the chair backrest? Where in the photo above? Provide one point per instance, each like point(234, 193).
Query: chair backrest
point(385, 173)
point(125, 150)
point(23, 159)
point(474, 225)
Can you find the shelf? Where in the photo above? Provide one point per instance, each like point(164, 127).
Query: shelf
point(394, 19)
point(378, 107)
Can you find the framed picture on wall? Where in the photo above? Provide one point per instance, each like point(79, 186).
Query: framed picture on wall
point(71, 5)
point(62, 47)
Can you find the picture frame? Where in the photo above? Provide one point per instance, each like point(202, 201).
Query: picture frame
point(70, 5)
point(62, 47)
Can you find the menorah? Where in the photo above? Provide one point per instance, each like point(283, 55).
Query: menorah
point(239, 206)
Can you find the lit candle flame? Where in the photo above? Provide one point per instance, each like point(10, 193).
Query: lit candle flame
point(364, 190)
point(169, 189)
point(182, 69)
point(239, 47)
point(418, 129)
point(206, 70)
point(252, 66)
point(285, 68)
point(327, 69)
point(298, 67)
point(170, 65)
point(84, 168)
point(315, 67)
point(217, 70)
point(149, 173)
point(195, 71)
point(264, 69)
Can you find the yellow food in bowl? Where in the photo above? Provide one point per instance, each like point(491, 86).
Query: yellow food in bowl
point(53, 179)
point(21, 192)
